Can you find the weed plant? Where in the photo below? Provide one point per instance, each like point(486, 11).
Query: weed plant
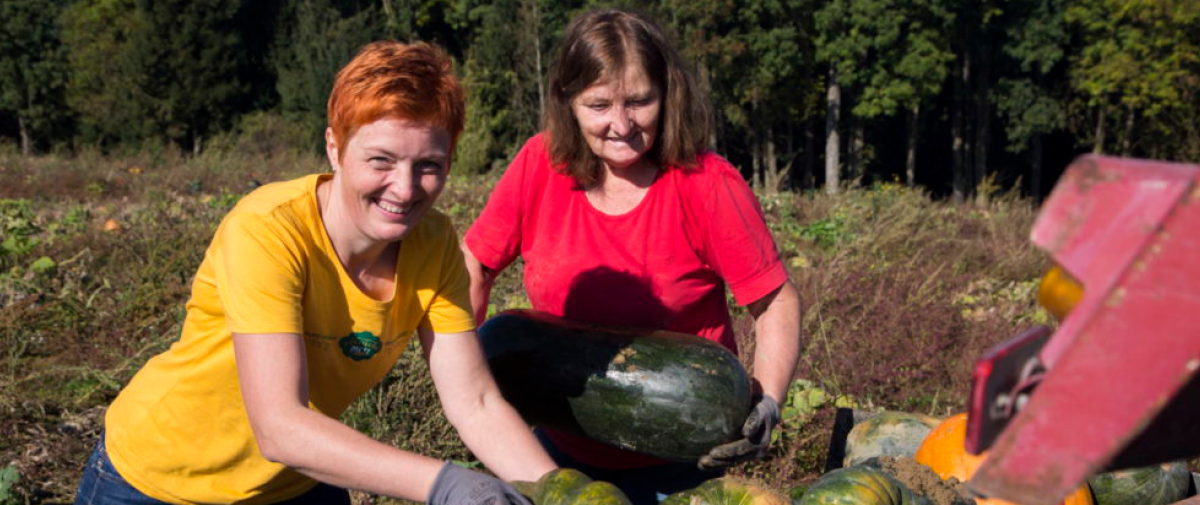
point(901, 293)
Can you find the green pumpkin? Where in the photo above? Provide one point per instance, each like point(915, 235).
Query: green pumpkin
point(727, 491)
point(887, 433)
point(1151, 485)
point(859, 485)
point(566, 486)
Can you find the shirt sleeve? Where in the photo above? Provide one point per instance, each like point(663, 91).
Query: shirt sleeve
point(259, 276)
point(495, 237)
point(450, 309)
point(736, 240)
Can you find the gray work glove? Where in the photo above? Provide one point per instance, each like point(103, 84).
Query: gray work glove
point(756, 437)
point(456, 485)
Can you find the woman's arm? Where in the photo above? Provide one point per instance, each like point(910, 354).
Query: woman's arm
point(776, 339)
point(482, 280)
point(273, 375)
point(487, 424)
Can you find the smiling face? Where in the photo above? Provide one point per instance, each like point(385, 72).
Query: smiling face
point(390, 174)
point(618, 117)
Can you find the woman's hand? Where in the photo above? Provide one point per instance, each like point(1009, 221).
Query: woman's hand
point(456, 485)
point(777, 348)
point(756, 437)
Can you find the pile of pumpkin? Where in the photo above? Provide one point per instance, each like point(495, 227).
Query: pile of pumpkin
point(868, 477)
point(939, 445)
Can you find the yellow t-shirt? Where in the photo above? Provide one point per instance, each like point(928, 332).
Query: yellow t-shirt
point(179, 431)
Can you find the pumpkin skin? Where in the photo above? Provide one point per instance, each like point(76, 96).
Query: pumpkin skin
point(1151, 485)
point(624, 387)
point(944, 450)
point(566, 486)
point(858, 485)
point(887, 433)
point(727, 491)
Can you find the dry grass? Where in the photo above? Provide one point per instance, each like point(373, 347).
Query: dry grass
point(900, 292)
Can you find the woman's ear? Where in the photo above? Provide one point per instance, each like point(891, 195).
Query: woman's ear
point(331, 150)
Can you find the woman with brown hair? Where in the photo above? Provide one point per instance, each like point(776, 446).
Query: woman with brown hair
point(307, 295)
point(623, 217)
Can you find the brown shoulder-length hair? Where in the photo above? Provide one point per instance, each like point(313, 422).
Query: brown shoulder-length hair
point(599, 45)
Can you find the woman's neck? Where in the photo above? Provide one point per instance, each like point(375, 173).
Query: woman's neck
point(622, 189)
point(371, 265)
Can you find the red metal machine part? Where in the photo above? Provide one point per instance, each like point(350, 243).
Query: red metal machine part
point(1117, 383)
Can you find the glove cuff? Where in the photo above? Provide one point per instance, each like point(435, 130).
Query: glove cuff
point(439, 494)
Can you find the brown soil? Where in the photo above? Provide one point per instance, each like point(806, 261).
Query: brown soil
point(924, 482)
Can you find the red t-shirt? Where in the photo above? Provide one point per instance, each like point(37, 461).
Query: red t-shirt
point(662, 265)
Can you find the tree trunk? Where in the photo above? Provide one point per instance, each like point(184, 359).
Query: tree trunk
point(26, 139)
point(1127, 136)
point(756, 171)
point(1098, 142)
point(910, 158)
point(857, 144)
point(983, 114)
point(810, 158)
point(537, 49)
point(833, 105)
point(706, 81)
point(774, 177)
point(959, 146)
point(1035, 175)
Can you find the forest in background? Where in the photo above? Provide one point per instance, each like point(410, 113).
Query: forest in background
point(947, 95)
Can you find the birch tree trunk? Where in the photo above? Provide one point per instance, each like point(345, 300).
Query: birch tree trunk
point(774, 177)
point(26, 139)
point(1098, 142)
point(833, 105)
point(910, 158)
point(1127, 136)
point(1035, 176)
point(958, 134)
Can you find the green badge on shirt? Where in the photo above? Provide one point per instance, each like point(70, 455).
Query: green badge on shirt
point(361, 345)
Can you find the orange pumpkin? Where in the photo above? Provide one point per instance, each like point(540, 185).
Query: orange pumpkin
point(945, 452)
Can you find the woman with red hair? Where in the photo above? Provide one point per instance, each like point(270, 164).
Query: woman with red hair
point(306, 297)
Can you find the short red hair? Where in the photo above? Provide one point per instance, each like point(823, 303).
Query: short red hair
point(389, 79)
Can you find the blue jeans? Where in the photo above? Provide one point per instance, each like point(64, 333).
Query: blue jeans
point(102, 485)
point(644, 486)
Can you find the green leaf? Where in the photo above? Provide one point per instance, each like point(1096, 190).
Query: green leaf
point(43, 265)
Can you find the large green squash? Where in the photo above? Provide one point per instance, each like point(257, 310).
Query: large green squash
point(565, 486)
point(887, 433)
point(1151, 485)
point(661, 393)
point(727, 491)
point(858, 485)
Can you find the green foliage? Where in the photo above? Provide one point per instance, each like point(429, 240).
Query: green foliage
point(44, 265)
point(9, 476)
point(804, 399)
point(103, 70)
point(17, 223)
point(1139, 60)
point(315, 41)
point(188, 56)
point(826, 233)
point(31, 61)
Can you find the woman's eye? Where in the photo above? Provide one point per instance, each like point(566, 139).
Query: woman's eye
point(429, 167)
point(597, 106)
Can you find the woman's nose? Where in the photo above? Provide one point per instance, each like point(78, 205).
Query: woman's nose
point(403, 183)
point(621, 122)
